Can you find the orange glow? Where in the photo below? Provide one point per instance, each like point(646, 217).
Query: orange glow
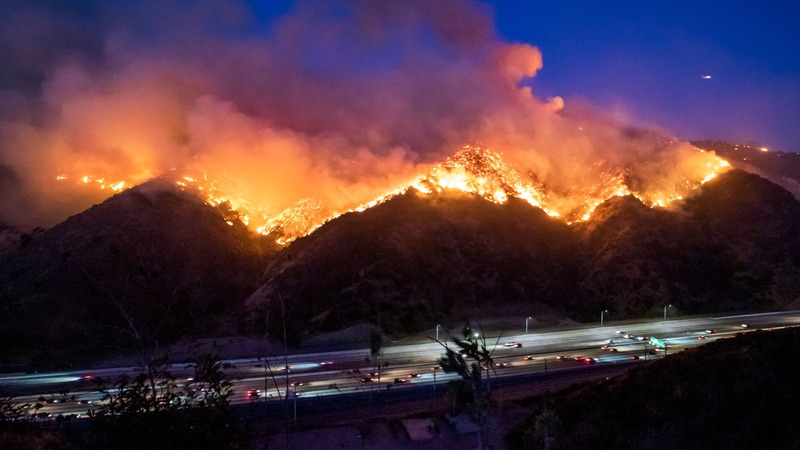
point(472, 169)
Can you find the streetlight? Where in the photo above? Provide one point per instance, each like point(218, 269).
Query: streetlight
point(665, 310)
point(437, 331)
point(526, 324)
point(602, 313)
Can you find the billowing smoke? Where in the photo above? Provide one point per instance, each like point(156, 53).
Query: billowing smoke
point(337, 100)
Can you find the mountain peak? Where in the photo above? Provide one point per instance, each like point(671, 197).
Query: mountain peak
point(483, 172)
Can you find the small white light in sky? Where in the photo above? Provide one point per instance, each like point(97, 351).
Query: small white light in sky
point(706, 77)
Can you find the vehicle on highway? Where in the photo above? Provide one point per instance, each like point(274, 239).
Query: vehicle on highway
point(609, 341)
point(513, 344)
point(501, 364)
point(366, 379)
point(628, 336)
point(619, 332)
point(528, 358)
point(413, 375)
point(253, 393)
point(326, 363)
point(634, 357)
point(399, 380)
point(561, 357)
point(744, 325)
point(701, 337)
point(612, 349)
point(710, 331)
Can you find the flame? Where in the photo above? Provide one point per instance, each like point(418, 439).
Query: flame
point(97, 182)
point(472, 169)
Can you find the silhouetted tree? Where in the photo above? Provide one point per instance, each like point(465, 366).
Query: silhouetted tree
point(469, 361)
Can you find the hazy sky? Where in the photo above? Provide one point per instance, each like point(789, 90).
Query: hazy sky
point(341, 100)
point(644, 61)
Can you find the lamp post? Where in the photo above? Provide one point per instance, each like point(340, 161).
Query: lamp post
point(437, 331)
point(602, 314)
point(526, 324)
point(665, 310)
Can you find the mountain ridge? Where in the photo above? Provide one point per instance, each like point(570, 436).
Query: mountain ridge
point(180, 267)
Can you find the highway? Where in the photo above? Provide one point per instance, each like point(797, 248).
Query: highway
point(344, 373)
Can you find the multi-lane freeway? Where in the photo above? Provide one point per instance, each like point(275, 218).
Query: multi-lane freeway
point(409, 367)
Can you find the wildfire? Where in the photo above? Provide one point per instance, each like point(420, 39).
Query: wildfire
point(98, 182)
point(473, 170)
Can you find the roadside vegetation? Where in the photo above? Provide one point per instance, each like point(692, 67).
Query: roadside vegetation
point(737, 393)
point(152, 410)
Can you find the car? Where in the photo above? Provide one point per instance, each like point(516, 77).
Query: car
point(297, 383)
point(604, 347)
point(326, 363)
point(578, 358)
point(528, 358)
point(513, 344)
point(744, 325)
point(399, 380)
point(629, 336)
point(710, 331)
point(501, 364)
point(366, 379)
point(639, 338)
point(634, 357)
point(619, 332)
point(609, 341)
point(413, 375)
point(561, 357)
point(589, 360)
point(612, 349)
point(253, 393)
point(701, 337)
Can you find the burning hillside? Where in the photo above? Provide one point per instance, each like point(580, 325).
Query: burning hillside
point(290, 130)
point(473, 170)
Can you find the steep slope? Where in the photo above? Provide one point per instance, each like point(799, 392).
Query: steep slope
point(636, 259)
point(735, 245)
point(152, 256)
point(782, 168)
point(406, 263)
point(760, 222)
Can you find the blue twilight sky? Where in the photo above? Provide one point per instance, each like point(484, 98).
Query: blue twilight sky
point(646, 59)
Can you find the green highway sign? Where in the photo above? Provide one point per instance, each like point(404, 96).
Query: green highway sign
point(657, 342)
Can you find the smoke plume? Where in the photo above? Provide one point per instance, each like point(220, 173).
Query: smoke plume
point(338, 101)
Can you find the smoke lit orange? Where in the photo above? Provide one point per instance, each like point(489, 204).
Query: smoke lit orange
point(472, 169)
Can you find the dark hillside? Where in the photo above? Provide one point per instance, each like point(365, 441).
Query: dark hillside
point(404, 264)
point(731, 394)
point(153, 253)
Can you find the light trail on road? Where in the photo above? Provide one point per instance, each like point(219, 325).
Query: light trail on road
point(338, 373)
